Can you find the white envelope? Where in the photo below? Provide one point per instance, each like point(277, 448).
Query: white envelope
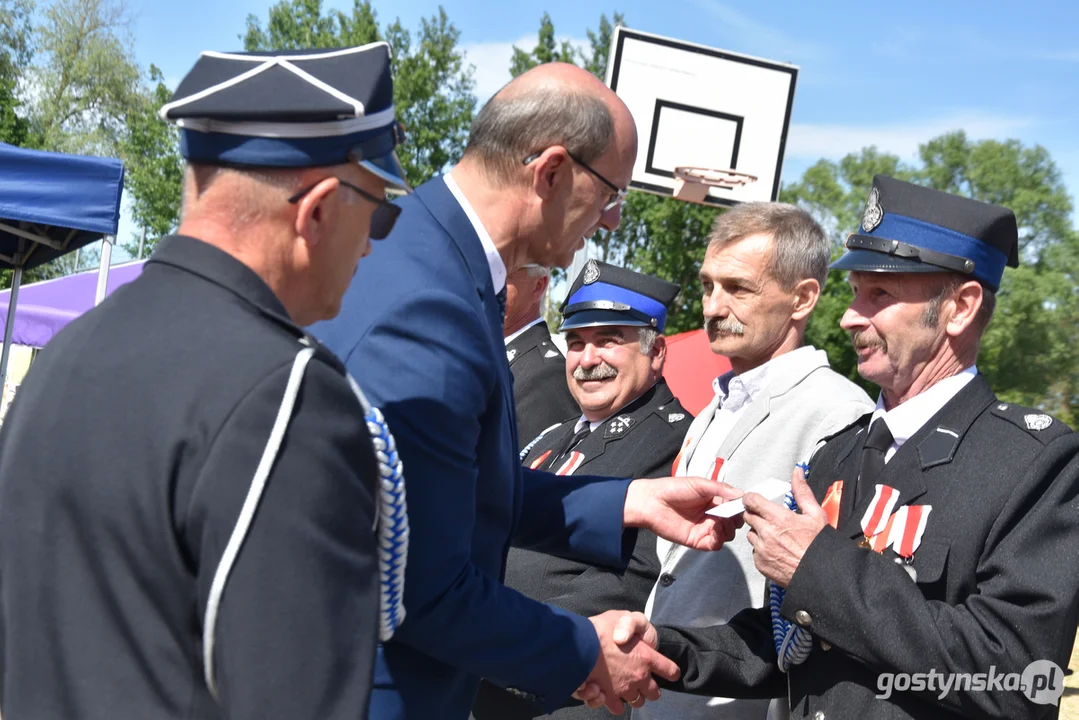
point(771, 489)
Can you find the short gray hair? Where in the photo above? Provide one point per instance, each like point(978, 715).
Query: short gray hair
point(514, 125)
point(647, 337)
point(536, 271)
point(799, 250)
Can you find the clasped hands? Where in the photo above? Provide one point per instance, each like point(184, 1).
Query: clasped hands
point(674, 508)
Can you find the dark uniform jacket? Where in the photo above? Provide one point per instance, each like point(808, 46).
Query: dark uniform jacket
point(641, 440)
point(996, 588)
point(539, 383)
point(124, 463)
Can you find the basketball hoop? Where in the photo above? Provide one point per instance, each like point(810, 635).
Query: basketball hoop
point(692, 183)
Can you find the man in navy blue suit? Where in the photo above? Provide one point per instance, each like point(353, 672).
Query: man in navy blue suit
point(546, 166)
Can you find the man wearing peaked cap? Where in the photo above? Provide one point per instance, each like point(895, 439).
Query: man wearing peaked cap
point(197, 537)
point(629, 425)
point(922, 576)
point(547, 163)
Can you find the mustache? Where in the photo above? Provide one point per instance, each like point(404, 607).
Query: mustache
point(724, 326)
point(603, 371)
point(863, 339)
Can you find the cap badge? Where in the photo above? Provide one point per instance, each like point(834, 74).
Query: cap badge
point(591, 272)
point(874, 213)
point(1037, 422)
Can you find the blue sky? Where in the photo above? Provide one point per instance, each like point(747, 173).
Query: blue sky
point(891, 74)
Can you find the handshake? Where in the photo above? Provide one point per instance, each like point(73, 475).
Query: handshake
point(628, 659)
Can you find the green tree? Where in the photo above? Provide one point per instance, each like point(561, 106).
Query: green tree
point(153, 166)
point(432, 86)
point(1030, 352)
point(87, 81)
point(16, 50)
point(547, 50)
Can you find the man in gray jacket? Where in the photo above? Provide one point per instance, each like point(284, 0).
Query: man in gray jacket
point(762, 276)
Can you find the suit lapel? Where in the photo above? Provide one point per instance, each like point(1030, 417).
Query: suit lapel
point(933, 445)
point(444, 208)
point(693, 436)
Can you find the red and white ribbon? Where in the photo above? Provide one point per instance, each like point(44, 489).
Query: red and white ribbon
point(877, 514)
point(907, 529)
point(572, 463)
point(539, 461)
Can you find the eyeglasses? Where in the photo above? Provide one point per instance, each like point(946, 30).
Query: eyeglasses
point(384, 217)
point(618, 196)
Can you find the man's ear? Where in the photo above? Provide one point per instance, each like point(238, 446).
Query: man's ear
point(659, 353)
point(806, 294)
point(540, 288)
point(551, 171)
point(966, 301)
point(315, 212)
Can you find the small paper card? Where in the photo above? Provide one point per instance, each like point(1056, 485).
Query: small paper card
point(771, 489)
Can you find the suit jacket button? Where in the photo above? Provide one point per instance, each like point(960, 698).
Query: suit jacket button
point(803, 618)
point(666, 579)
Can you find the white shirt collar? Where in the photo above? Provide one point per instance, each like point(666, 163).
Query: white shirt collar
point(517, 333)
point(908, 418)
point(494, 260)
point(737, 391)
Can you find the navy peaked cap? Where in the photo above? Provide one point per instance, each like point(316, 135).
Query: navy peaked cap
point(291, 109)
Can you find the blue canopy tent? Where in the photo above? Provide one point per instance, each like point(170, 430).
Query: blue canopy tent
point(52, 204)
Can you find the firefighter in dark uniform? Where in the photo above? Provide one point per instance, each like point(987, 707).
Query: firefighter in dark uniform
point(631, 425)
point(931, 571)
point(188, 498)
point(538, 366)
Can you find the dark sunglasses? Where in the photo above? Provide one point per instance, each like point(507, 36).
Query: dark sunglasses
point(618, 195)
point(384, 217)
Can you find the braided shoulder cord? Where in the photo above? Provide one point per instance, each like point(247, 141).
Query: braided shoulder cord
point(391, 519)
point(793, 642)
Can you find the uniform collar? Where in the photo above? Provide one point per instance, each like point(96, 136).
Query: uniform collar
point(908, 418)
point(644, 398)
point(518, 333)
point(218, 267)
point(494, 260)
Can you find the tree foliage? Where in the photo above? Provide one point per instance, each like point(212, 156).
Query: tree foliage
point(153, 167)
point(432, 86)
point(16, 50)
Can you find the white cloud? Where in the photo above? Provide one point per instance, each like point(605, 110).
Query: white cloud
point(814, 141)
point(492, 61)
point(756, 36)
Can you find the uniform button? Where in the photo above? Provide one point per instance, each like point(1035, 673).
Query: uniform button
point(803, 618)
point(825, 646)
point(666, 579)
point(819, 715)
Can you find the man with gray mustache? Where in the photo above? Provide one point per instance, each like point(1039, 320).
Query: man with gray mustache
point(762, 275)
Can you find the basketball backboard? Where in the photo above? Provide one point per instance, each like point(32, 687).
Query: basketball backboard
point(704, 107)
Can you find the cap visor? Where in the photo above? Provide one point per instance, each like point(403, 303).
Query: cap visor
point(864, 260)
point(598, 318)
point(389, 168)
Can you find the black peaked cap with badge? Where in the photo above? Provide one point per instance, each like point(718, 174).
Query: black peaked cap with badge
point(606, 294)
point(291, 109)
point(908, 228)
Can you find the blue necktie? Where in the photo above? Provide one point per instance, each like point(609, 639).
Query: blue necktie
point(502, 304)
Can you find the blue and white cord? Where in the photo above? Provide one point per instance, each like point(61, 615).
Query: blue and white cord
point(391, 519)
point(793, 642)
